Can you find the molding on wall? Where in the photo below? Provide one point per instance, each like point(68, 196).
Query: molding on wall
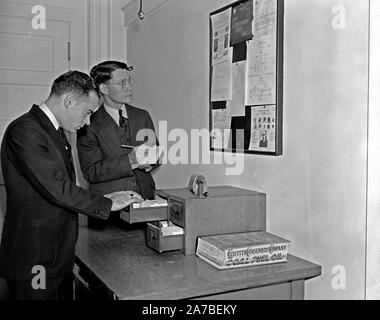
point(58, 4)
point(111, 26)
point(132, 7)
point(100, 17)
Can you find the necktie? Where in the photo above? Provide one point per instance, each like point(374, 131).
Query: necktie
point(67, 147)
point(123, 122)
point(63, 136)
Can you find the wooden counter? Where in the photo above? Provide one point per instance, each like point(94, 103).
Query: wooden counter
point(117, 264)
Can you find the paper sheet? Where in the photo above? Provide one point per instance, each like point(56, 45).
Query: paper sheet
point(237, 104)
point(147, 154)
point(150, 203)
point(221, 128)
point(261, 71)
point(221, 81)
point(265, 18)
point(221, 28)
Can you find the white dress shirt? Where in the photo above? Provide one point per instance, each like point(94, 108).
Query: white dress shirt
point(114, 113)
point(50, 115)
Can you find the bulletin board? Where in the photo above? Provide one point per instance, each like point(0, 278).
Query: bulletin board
point(246, 77)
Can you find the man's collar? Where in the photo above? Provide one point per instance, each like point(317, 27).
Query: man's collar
point(114, 113)
point(50, 115)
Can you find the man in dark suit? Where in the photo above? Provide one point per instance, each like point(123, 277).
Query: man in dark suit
point(41, 222)
point(104, 163)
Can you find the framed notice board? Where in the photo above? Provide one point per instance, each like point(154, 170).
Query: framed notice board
point(246, 77)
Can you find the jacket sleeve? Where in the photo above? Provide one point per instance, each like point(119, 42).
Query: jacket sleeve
point(151, 126)
point(28, 148)
point(94, 167)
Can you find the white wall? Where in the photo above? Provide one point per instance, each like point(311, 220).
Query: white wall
point(373, 199)
point(316, 191)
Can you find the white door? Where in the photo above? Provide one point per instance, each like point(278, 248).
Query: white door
point(29, 61)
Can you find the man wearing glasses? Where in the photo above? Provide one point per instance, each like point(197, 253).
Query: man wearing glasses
point(105, 164)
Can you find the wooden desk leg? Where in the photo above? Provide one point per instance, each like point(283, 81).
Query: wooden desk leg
point(297, 290)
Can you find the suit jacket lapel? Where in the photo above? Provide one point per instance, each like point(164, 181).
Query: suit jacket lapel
point(137, 121)
point(132, 121)
point(46, 124)
point(107, 129)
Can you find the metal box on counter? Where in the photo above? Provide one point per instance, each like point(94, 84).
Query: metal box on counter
point(226, 209)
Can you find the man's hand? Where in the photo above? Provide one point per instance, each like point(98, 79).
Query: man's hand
point(146, 167)
point(132, 159)
point(146, 155)
point(122, 199)
point(139, 157)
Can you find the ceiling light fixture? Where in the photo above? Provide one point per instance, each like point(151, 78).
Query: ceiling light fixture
point(141, 13)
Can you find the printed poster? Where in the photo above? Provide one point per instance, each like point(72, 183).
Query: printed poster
point(221, 81)
point(265, 22)
point(221, 24)
point(263, 128)
point(241, 22)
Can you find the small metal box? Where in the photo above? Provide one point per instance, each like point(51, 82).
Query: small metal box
point(160, 243)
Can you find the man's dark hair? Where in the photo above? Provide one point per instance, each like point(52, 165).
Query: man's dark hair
point(101, 73)
point(75, 82)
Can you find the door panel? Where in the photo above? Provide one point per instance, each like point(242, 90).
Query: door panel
point(29, 61)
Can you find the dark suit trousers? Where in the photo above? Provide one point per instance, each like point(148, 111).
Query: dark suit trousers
point(56, 289)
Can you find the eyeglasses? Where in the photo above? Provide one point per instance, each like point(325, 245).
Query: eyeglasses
point(124, 82)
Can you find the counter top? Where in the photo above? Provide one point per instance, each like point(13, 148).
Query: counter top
point(121, 263)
